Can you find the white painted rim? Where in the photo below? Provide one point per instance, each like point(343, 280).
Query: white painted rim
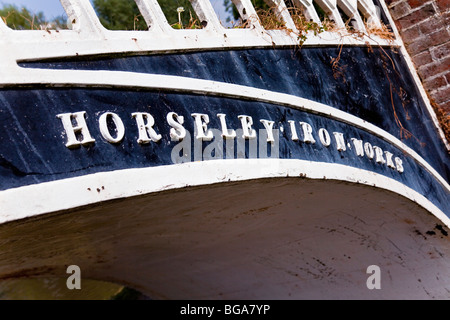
point(89, 36)
point(95, 188)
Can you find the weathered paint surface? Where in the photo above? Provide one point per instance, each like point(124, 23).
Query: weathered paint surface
point(285, 238)
point(123, 212)
point(374, 86)
point(370, 85)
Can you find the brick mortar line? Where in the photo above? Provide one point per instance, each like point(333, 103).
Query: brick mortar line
point(411, 10)
point(395, 3)
point(431, 52)
point(434, 77)
point(440, 89)
point(418, 24)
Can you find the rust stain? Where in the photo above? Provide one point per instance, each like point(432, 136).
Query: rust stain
point(29, 273)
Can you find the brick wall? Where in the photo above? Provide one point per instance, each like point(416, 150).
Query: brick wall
point(424, 26)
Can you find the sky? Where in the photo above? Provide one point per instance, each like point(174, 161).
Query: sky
point(53, 8)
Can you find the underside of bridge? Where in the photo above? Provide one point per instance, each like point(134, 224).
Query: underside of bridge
point(277, 238)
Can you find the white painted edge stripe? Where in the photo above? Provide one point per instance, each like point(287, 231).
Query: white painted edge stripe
point(80, 191)
point(41, 44)
point(132, 80)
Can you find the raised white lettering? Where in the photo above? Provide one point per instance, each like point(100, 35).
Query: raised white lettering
point(81, 127)
point(389, 161)
point(201, 127)
point(240, 143)
point(399, 164)
point(146, 128)
point(369, 150)
point(247, 131)
point(103, 124)
point(177, 132)
point(294, 135)
point(358, 147)
point(269, 127)
point(226, 134)
point(379, 155)
point(340, 143)
point(307, 132)
point(324, 137)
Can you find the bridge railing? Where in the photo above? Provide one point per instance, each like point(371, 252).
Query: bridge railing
point(87, 35)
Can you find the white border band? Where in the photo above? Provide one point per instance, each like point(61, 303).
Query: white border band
point(76, 192)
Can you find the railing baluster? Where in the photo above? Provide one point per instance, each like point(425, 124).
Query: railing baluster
point(282, 13)
point(309, 10)
point(82, 17)
point(350, 8)
point(88, 36)
point(330, 8)
point(248, 13)
point(206, 13)
point(369, 10)
point(153, 15)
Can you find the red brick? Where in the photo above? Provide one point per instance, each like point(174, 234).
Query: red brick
point(411, 34)
point(416, 3)
point(443, 4)
point(439, 37)
point(431, 25)
point(435, 83)
point(422, 59)
point(446, 17)
point(417, 46)
point(427, 41)
point(447, 76)
point(442, 95)
point(441, 51)
point(445, 107)
point(432, 69)
point(417, 16)
point(400, 10)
